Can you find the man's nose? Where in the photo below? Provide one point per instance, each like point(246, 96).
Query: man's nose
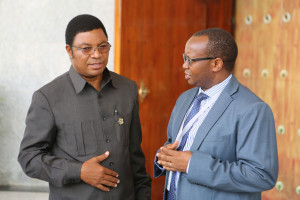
point(96, 53)
point(185, 65)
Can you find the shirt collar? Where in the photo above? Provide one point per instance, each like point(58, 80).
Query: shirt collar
point(217, 88)
point(79, 82)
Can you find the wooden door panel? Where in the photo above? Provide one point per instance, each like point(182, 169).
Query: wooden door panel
point(268, 48)
point(152, 37)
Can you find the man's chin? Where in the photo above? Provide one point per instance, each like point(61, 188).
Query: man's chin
point(93, 74)
point(191, 82)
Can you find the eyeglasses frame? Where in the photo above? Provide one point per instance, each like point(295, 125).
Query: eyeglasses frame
point(190, 60)
point(94, 49)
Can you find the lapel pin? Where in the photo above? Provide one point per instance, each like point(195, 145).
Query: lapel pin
point(121, 121)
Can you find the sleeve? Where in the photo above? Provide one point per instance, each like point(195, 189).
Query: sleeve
point(142, 181)
point(256, 166)
point(158, 170)
point(35, 150)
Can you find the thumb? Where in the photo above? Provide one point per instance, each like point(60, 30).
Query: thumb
point(174, 145)
point(102, 157)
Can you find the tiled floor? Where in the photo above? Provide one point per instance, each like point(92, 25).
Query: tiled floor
point(13, 195)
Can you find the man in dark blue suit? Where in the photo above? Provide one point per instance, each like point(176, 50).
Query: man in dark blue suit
point(221, 139)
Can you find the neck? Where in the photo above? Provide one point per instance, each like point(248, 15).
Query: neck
point(218, 78)
point(222, 77)
point(95, 82)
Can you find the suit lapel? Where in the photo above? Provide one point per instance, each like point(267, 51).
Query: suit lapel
point(216, 112)
point(182, 111)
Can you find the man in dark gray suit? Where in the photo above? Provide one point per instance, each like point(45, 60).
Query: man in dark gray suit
point(83, 132)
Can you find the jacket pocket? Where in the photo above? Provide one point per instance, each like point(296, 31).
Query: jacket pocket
point(81, 138)
point(219, 138)
point(117, 128)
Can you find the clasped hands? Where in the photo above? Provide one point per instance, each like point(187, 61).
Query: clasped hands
point(171, 159)
point(98, 176)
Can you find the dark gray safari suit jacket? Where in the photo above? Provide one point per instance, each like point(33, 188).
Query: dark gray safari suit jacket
point(69, 122)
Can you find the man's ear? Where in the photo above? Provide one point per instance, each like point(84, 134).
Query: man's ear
point(69, 51)
point(217, 64)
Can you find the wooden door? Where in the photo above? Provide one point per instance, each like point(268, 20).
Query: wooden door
point(267, 33)
point(150, 40)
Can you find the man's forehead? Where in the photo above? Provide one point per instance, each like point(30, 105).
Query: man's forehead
point(197, 43)
point(95, 36)
point(198, 39)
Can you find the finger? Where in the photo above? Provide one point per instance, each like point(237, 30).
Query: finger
point(102, 187)
point(173, 146)
point(163, 147)
point(111, 179)
point(102, 157)
point(165, 164)
point(111, 172)
point(109, 183)
point(169, 152)
point(169, 166)
point(161, 152)
point(163, 157)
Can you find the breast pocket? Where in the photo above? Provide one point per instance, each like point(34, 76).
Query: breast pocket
point(218, 146)
point(81, 138)
point(219, 138)
point(117, 128)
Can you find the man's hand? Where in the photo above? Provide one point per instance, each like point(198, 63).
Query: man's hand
point(173, 160)
point(172, 146)
point(98, 176)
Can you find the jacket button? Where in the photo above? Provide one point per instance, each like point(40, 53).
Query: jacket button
point(111, 164)
point(108, 140)
point(104, 118)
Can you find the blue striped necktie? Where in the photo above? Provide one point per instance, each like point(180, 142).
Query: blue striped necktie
point(171, 195)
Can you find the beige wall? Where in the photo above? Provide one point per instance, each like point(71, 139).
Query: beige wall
point(32, 52)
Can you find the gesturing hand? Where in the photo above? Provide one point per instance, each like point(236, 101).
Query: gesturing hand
point(173, 160)
point(98, 176)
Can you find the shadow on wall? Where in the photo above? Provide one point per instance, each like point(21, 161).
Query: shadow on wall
point(2, 94)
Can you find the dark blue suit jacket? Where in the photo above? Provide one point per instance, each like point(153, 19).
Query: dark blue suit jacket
point(235, 150)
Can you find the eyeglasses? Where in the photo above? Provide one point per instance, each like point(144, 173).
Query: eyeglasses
point(103, 48)
point(190, 60)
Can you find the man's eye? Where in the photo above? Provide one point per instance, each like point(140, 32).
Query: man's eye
point(86, 49)
point(104, 46)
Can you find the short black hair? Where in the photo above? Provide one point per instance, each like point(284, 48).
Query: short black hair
point(82, 23)
point(222, 45)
